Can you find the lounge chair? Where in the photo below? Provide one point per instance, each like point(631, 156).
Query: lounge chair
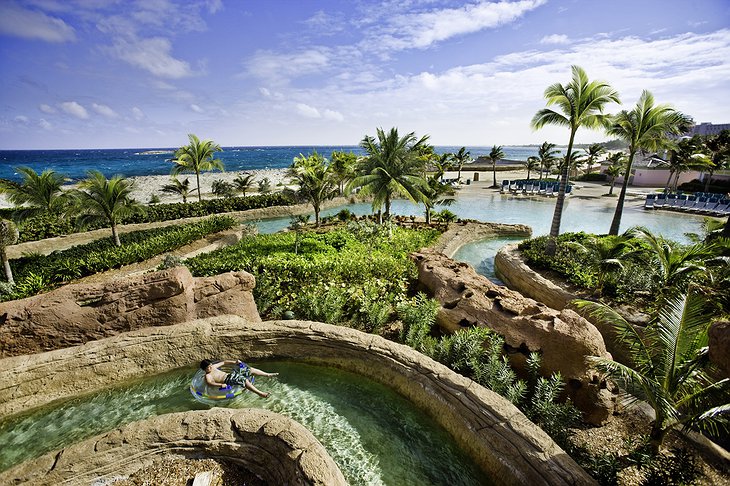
point(661, 199)
point(649, 203)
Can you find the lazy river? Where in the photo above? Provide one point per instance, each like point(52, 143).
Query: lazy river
point(374, 435)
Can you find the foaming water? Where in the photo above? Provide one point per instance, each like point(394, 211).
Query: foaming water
point(374, 435)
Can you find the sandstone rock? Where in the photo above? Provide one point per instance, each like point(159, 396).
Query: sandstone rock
point(563, 338)
point(286, 453)
point(496, 435)
point(719, 343)
point(77, 313)
point(459, 234)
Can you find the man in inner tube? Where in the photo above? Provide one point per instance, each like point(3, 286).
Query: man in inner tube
point(240, 376)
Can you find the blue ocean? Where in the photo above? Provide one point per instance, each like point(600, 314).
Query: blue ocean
point(74, 164)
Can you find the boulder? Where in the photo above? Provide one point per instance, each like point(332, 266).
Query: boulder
point(78, 313)
point(563, 338)
point(719, 344)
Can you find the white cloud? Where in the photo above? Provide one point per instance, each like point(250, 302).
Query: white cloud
point(265, 92)
point(423, 29)
point(137, 113)
point(333, 115)
point(280, 67)
point(308, 111)
point(47, 109)
point(22, 119)
point(153, 55)
point(104, 110)
point(31, 24)
point(75, 109)
point(45, 124)
point(196, 108)
point(555, 39)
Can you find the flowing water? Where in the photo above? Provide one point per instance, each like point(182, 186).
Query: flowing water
point(374, 435)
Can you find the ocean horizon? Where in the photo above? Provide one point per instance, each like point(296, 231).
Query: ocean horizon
point(133, 162)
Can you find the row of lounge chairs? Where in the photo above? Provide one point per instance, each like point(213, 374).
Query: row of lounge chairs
point(711, 204)
point(546, 188)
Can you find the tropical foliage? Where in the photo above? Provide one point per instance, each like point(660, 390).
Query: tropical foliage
point(197, 157)
point(315, 180)
point(548, 154)
point(243, 183)
point(495, 155)
point(645, 127)
point(393, 166)
point(8, 236)
point(38, 194)
point(580, 104)
point(181, 188)
point(108, 200)
point(460, 159)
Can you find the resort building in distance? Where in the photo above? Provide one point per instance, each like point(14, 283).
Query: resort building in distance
point(652, 170)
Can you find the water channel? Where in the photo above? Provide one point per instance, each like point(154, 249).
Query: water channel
point(375, 436)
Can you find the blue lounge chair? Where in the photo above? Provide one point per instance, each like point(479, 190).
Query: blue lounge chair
point(661, 199)
point(649, 203)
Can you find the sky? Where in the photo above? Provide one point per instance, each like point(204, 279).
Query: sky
point(144, 74)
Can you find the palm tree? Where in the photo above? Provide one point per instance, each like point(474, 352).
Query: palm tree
point(669, 366)
point(37, 193)
point(182, 189)
point(107, 200)
point(547, 154)
point(645, 127)
point(437, 193)
point(532, 163)
point(592, 153)
point(243, 182)
point(576, 161)
point(264, 186)
point(614, 170)
point(495, 155)
point(393, 166)
point(222, 188)
point(197, 157)
point(8, 236)
point(719, 151)
point(581, 104)
point(684, 156)
point(461, 158)
point(315, 179)
point(342, 166)
point(442, 164)
point(676, 264)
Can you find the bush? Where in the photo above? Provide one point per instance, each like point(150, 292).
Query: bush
point(37, 273)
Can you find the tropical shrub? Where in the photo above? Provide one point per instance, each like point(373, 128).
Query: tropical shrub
point(37, 273)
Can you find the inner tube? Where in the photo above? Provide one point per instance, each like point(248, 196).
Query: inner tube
point(206, 393)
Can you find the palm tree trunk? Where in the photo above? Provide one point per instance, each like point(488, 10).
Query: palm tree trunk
point(656, 436)
point(6, 266)
point(669, 181)
point(613, 181)
point(708, 181)
point(494, 173)
point(386, 215)
point(726, 230)
point(528, 174)
point(542, 166)
point(616, 223)
point(197, 177)
point(558, 214)
point(428, 214)
point(115, 235)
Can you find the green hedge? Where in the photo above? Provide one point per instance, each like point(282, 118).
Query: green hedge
point(41, 227)
point(355, 275)
point(36, 273)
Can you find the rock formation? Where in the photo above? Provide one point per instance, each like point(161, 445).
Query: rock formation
point(496, 435)
point(78, 313)
point(272, 446)
point(563, 338)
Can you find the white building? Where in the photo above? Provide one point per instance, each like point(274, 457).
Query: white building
point(704, 129)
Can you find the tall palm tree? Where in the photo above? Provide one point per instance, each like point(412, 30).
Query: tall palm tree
point(315, 179)
point(37, 193)
point(197, 157)
point(8, 236)
point(495, 155)
point(548, 154)
point(243, 182)
point(109, 200)
point(182, 189)
point(581, 104)
point(461, 158)
point(592, 153)
point(645, 127)
point(575, 162)
point(532, 163)
point(393, 166)
point(684, 155)
point(669, 366)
